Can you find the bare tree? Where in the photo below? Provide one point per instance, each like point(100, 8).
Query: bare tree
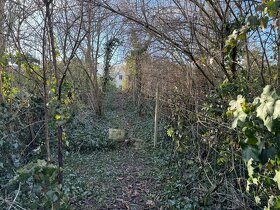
point(73, 18)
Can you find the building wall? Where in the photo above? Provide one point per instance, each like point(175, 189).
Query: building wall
point(118, 75)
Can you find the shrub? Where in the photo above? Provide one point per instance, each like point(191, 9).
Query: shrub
point(258, 125)
point(40, 187)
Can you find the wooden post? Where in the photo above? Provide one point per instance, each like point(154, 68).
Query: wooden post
point(156, 116)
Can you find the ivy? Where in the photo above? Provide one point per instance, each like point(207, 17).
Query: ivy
point(259, 123)
point(236, 106)
point(41, 188)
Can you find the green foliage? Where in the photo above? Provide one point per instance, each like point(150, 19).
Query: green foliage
point(61, 110)
point(259, 121)
point(22, 139)
point(176, 182)
point(217, 100)
point(110, 48)
point(9, 92)
point(179, 133)
point(15, 133)
point(180, 118)
point(87, 132)
point(40, 187)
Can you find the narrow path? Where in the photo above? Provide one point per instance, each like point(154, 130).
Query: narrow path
point(115, 180)
point(135, 188)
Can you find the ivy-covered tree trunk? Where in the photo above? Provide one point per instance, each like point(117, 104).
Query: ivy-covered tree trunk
point(232, 53)
point(106, 74)
point(109, 50)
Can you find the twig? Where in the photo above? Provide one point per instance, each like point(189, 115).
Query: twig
point(15, 197)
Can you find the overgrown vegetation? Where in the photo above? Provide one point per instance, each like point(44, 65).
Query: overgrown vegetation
point(192, 85)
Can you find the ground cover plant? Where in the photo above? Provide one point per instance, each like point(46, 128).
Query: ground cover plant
point(139, 104)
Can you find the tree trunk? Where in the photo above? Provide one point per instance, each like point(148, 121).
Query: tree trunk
point(98, 95)
point(52, 41)
point(2, 45)
point(54, 63)
point(248, 63)
point(91, 66)
point(233, 62)
point(138, 95)
point(278, 51)
point(46, 115)
point(46, 96)
point(106, 75)
point(60, 154)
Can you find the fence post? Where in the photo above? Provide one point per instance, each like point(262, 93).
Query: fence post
point(156, 115)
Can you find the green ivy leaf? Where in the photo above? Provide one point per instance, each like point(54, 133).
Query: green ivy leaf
point(240, 117)
point(268, 123)
point(277, 178)
point(170, 132)
point(272, 7)
point(253, 20)
point(276, 112)
point(250, 152)
point(268, 154)
point(266, 108)
point(258, 200)
point(250, 168)
point(41, 163)
point(250, 135)
point(238, 113)
point(277, 202)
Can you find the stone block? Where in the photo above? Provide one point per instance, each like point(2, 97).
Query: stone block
point(117, 134)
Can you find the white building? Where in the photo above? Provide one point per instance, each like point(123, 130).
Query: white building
point(118, 75)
